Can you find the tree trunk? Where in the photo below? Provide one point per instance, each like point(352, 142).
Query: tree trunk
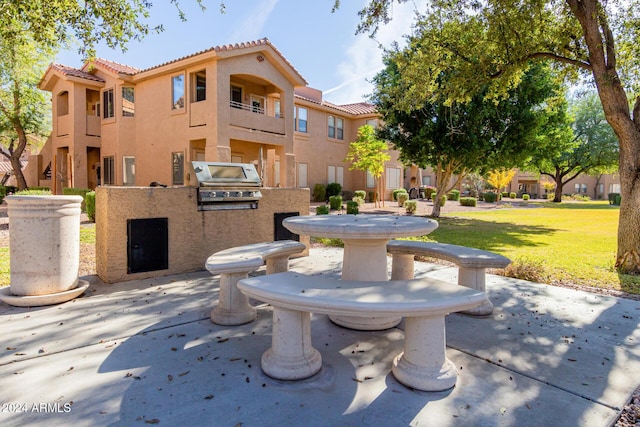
point(628, 256)
point(557, 196)
point(21, 183)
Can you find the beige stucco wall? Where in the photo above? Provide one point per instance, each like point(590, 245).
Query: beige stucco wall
point(193, 234)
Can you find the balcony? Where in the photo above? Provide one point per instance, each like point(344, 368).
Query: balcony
point(255, 119)
point(63, 125)
point(93, 125)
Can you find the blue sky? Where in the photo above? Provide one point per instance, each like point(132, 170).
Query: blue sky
point(321, 45)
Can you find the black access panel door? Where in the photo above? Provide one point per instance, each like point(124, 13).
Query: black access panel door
point(282, 233)
point(147, 245)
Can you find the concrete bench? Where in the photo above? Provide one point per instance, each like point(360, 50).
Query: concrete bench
point(422, 365)
point(471, 264)
point(233, 264)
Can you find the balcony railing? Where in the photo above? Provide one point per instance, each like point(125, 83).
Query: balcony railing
point(255, 118)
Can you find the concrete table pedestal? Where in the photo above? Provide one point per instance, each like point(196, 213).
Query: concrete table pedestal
point(44, 245)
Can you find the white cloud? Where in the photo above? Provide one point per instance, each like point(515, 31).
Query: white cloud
point(363, 58)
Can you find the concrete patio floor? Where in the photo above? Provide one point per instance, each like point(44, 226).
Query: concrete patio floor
point(145, 352)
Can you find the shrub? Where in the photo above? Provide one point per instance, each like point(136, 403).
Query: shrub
point(3, 193)
point(335, 202)
point(428, 191)
point(334, 189)
point(10, 189)
point(411, 206)
point(612, 198)
point(453, 195)
point(359, 200)
point(33, 192)
point(322, 210)
point(504, 194)
point(373, 196)
point(402, 198)
point(468, 201)
point(347, 195)
point(77, 192)
point(352, 208)
point(90, 205)
point(361, 193)
point(512, 195)
point(525, 197)
point(319, 193)
point(397, 191)
point(490, 197)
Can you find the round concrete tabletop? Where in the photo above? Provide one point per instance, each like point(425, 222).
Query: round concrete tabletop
point(360, 226)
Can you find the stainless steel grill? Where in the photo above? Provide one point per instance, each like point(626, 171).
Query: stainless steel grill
point(227, 185)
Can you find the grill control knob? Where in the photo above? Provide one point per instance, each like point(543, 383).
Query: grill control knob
point(226, 194)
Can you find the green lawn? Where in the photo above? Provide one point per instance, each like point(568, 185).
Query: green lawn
point(570, 243)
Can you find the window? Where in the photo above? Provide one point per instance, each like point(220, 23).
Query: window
point(393, 178)
point(300, 119)
point(335, 127)
point(614, 188)
point(276, 108)
point(63, 103)
point(177, 92)
point(583, 188)
point(199, 85)
point(371, 181)
point(108, 109)
point(335, 174)
point(177, 168)
point(302, 175)
point(373, 123)
point(426, 180)
point(128, 105)
point(108, 171)
point(257, 104)
point(129, 170)
point(236, 96)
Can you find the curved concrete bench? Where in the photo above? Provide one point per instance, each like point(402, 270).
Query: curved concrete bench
point(422, 365)
point(233, 264)
point(471, 264)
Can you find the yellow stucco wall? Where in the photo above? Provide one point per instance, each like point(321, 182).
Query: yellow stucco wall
point(192, 235)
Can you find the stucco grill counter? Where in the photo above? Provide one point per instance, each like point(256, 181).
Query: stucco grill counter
point(227, 185)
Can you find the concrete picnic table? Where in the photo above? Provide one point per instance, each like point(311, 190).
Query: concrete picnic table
point(365, 239)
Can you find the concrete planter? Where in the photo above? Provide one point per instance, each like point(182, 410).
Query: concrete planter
point(44, 244)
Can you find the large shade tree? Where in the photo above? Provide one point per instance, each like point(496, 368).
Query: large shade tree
point(458, 138)
point(589, 148)
point(492, 42)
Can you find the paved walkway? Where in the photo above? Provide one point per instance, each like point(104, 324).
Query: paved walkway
point(145, 352)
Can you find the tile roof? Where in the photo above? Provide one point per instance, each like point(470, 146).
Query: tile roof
point(113, 66)
point(5, 167)
point(354, 109)
point(74, 72)
point(359, 108)
point(228, 47)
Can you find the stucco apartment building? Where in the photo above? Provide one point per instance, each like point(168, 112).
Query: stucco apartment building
point(117, 125)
